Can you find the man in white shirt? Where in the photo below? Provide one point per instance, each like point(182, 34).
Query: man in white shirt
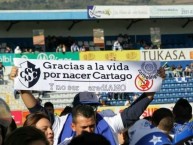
point(74, 47)
point(117, 46)
point(17, 50)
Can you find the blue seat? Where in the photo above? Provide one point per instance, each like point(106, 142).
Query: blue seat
point(172, 100)
point(182, 89)
point(190, 99)
point(107, 103)
point(120, 103)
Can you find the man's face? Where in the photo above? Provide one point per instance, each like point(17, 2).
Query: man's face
point(50, 109)
point(83, 124)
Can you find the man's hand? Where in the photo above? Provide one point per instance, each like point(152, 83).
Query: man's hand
point(13, 73)
point(161, 73)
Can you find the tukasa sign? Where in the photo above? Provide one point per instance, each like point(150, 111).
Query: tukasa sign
point(166, 55)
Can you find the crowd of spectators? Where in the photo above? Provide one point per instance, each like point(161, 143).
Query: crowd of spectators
point(69, 44)
point(163, 127)
point(124, 42)
point(178, 71)
point(84, 124)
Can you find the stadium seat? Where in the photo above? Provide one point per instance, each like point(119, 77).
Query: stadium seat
point(108, 43)
point(86, 43)
point(190, 99)
point(80, 43)
point(91, 48)
point(97, 48)
point(91, 43)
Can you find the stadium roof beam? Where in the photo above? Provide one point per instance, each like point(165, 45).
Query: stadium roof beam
point(11, 25)
point(74, 23)
point(187, 22)
point(131, 23)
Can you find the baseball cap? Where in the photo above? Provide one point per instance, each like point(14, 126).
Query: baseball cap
point(86, 98)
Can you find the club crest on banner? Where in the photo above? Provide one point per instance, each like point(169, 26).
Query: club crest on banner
point(29, 75)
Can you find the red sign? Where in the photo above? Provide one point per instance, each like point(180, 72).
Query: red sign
point(17, 116)
point(143, 84)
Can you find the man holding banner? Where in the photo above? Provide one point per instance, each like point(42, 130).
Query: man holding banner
point(89, 76)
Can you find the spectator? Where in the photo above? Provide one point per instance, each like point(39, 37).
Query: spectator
point(74, 47)
point(169, 71)
point(135, 97)
point(8, 49)
point(125, 41)
point(173, 68)
point(83, 119)
point(123, 120)
point(39, 100)
point(17, 50)
point(64, 48)
point(25, 51)
point(117, 45)
point(61, 48)
point(179, 71)
point(49, 107)
point(2, 134)
point(191, 67)
point(87, 138)
point(11, 127)
point(41, 122)
point(123, 138)
point(2, 70)
point(26, 136)
point(187, 71)
point(127, 102)
point(30, 50)
point(155, 132)
point(182, 129)
point(83, 48)
point(66, 110)
point(6, 121)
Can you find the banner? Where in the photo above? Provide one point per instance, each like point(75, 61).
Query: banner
point(109, 12)
point(92, 76)
point(7, 59)
point(17, 116)
point(38, 37)
point(131, 55)
point(50, 56)
point(171, 11)
point(167, 54)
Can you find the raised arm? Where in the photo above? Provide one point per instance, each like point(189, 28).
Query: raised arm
point(133, 112)
point(27, 97)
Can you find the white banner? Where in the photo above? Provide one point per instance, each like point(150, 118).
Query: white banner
point(92, 76)
point(171, 11)
point(167, 54)
point(109, 12)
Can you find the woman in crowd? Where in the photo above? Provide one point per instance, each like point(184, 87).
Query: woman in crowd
point(41, 122)
point(26, 136)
